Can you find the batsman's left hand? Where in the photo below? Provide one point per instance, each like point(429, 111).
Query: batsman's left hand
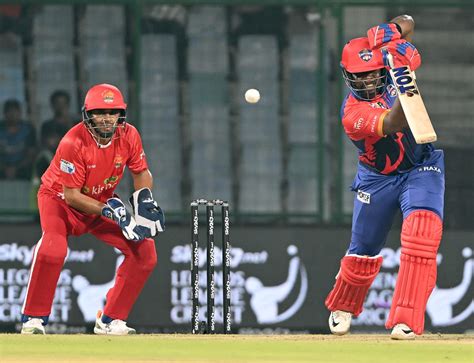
point(147, 212)
point(404, 53)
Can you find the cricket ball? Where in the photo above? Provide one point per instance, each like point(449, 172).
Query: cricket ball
point(252, 95)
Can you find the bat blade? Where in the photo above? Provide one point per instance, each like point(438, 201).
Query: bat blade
point(413, 106)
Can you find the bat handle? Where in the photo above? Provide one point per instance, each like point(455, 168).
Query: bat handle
point(387, 58)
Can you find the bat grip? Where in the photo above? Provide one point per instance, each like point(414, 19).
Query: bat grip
point(388, 58)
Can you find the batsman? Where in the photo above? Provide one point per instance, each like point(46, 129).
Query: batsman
point(76, 196)
point(393, 173)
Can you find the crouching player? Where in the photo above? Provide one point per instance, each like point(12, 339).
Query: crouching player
point(76, 196)
point(393, 173)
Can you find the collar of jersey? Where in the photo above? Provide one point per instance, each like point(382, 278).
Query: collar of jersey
point(104, 146)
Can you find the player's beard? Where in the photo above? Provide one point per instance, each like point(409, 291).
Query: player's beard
point(103, 132)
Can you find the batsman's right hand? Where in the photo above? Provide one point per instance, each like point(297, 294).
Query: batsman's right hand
point(115, 210)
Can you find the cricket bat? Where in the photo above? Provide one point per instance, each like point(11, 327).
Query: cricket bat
point(404, 80)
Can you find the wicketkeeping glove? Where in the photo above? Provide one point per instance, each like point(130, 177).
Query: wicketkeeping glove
point(115, 210)
point(146, 211)
point(382, 34)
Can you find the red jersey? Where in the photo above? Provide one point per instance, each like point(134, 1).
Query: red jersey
point(390, 154)
point(80, 163)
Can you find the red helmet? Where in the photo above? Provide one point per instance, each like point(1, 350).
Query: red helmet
point(357, 56)
point(104, 96)
point(357, 59)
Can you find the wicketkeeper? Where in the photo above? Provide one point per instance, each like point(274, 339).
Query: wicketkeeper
point(393, 173)
point(76, 196)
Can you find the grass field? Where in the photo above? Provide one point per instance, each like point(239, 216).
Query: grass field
point(235, 348)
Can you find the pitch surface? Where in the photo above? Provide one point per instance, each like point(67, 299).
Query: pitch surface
point(235, 348)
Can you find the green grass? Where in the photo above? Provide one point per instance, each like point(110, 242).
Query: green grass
point(235, 348)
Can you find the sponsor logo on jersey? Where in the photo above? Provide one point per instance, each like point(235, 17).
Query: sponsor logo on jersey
point(108, 96)
point(430, 168)
point(111, 179)
point(358, 123)
point(377, 104)
point(99, 189)
point(67, 166)
point(109, 183)
point(364, 197)
point(365, 55)
point(118, 161)
point(373, 123)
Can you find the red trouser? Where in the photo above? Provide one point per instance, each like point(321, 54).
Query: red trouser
point(58, 221)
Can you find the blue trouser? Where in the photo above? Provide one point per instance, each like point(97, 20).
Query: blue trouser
point(378, 197)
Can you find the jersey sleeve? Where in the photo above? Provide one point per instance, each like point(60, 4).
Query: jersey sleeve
point(363, 121)
point(137, 159)
point(72, 171)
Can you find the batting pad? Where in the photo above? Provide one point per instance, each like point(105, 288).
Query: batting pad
point(352, 283)
point(421, 236)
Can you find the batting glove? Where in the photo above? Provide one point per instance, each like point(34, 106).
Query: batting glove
point(146, 211)
point(382, 34)
point(115, 210)
point(404, 54)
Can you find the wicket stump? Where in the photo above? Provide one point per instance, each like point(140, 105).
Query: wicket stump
point(197, 326)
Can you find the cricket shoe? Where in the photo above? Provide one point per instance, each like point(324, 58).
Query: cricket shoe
point(33, 326)
point(402, 332)
point(115, 327)
point(340, 322)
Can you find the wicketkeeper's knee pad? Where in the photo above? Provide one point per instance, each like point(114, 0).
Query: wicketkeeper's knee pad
point(420, 239)
point(352, 283)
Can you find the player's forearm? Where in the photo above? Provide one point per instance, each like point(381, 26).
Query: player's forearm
point(407, 24)
point(395, 120)
point(142, 180)
point(82, 202)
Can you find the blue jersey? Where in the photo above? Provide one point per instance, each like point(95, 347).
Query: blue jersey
point(15, 145)
point(386, 154)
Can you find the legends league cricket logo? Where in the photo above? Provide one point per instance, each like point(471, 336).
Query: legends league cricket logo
point(442, 301)
point(443, 306)
point(91, 298)
point(264, 300)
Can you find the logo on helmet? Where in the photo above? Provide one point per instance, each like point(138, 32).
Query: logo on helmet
point(365, 54)
point(108, 96)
